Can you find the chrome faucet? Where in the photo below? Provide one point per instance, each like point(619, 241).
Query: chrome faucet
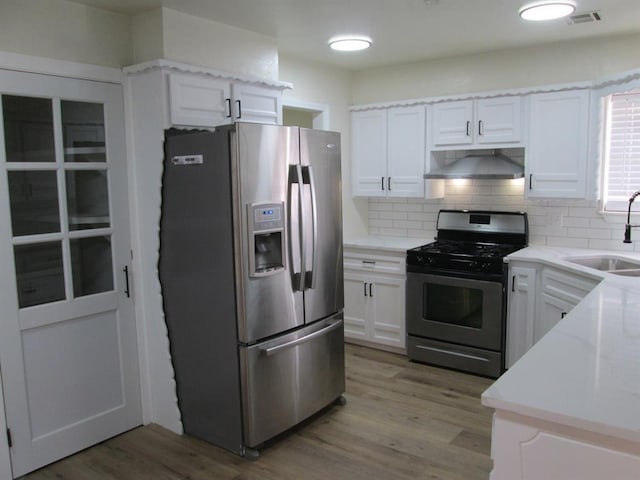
point(628, 226)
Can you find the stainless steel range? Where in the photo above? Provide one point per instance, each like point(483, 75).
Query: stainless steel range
point(456, 290)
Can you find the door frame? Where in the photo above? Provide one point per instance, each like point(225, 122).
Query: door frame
point(320, 111)
point(61, 68)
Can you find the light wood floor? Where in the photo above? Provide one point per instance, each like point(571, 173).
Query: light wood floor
point(402, 420)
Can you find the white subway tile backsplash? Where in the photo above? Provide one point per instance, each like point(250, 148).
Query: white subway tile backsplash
point(591, 233)
point(567, 242)
point(558, 222)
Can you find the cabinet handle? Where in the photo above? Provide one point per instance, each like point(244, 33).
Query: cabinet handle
point(382, 182)
point(531, 181)
point(239, 108)
point(228, 100)
point(389, 183)
point(365, 288)
point(480, 132)
point(563, 314)
point(126, 281)
point(370, 291)
point(468, 125)
point(369, 262)
point(513, 283)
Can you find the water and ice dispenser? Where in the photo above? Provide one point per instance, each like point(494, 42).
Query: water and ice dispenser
point(266, 239)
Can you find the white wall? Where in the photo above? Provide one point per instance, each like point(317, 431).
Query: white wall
point(332, 86)
point(65, 31)
point(202, 42)
point(146, 36)
point(523, 67)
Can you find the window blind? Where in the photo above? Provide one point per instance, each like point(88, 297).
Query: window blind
point(622, 174)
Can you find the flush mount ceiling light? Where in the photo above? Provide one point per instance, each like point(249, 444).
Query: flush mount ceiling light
point(547, 10)
point(350, 43)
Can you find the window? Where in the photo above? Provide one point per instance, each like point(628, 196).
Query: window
point(622, 151)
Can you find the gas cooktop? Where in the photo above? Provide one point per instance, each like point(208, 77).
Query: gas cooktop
point(471, 241)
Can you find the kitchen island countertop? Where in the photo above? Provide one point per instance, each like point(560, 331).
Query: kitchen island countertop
point(585, 372)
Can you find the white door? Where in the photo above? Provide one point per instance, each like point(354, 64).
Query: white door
point(406, 151)
point(387, 296)
point(453, 123)
point(499, 120)
point(369, 153)
point(68, 348)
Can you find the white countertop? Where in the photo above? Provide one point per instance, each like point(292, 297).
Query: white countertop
point(392, 244)
point(585, 372)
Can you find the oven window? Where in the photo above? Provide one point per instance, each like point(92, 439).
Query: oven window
point(455, 305)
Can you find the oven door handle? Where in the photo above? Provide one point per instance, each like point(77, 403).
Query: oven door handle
point(449, 352)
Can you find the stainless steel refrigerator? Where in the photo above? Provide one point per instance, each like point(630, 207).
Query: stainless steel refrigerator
point(251, 274)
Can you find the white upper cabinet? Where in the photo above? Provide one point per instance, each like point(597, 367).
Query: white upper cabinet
point(388, 152)
point(484, 122)
point(369, 152)
point(199, 101)
point(557, 151)
point(405, 151)
point(452, 123)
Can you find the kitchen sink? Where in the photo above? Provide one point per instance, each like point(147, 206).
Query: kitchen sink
point(609, 264)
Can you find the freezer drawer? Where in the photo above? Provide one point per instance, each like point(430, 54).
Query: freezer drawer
point(287, 379)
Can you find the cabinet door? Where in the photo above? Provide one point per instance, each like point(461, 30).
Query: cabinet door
point(356, 305)
point(499, 120)
point(453, 123)
point(521, 312)
point(406, 151)
point(551, 311)
point(369, 153)
point(198, 101)
point(387, 295)
point(556, 156)
point(251, 103)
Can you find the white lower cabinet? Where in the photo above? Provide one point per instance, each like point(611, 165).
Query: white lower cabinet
point(525, 448)
point(539, 297)
point(374, 289)
point(560, 291)
point(520, 311)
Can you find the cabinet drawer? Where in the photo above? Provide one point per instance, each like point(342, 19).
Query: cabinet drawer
point(570, 288)
point(364, 261)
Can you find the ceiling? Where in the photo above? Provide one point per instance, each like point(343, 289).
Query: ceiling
point(403, 31)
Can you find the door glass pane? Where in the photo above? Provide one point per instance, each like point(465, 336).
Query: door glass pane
point(33, 199)
point(83, 131)
point(91, 265)
point(28, 129)
point(87, 199)
point(455, 305)
point(39, 273)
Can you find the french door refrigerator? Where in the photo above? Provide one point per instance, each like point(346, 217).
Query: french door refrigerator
point(251, 275)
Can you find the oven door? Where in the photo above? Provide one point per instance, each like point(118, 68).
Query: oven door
point(457, 310)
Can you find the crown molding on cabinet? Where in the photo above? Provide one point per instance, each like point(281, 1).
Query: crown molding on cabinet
point(613, 80)
point(163, 64)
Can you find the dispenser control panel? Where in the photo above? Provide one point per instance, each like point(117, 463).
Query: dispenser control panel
point(267, 254)
point(267, 216)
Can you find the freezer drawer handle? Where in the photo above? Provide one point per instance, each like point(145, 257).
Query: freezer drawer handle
point(294, 343)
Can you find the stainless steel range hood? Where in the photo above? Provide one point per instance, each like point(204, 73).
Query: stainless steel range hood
point(496, 166)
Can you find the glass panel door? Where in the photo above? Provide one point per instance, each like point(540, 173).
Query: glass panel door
point(59, 198)
point(68, 346)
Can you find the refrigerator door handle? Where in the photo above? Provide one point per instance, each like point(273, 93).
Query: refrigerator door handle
point(311, 273)
point(294, 343)
point(296, 228)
